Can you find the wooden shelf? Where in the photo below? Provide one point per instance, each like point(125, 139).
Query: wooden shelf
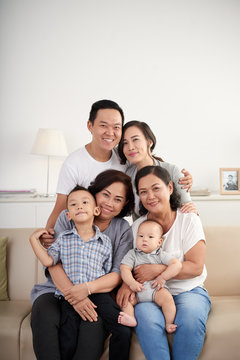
point(215, 197)
point(22, 199)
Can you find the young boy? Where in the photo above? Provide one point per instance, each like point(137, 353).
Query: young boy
point(86, 254)
point(149, 240)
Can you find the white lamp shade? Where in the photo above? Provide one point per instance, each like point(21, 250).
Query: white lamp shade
point(50, 142)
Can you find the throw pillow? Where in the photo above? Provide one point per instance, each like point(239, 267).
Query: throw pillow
point(3, 269)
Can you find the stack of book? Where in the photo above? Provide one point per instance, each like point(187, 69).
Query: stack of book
point(17, 193)
point(200, 192)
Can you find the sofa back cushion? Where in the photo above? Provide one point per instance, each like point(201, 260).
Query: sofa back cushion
point(3, 268)
point(21, 263)
point(222, 260)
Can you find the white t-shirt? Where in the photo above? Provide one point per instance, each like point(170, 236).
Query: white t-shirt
point(80, 168)
point(185, 232)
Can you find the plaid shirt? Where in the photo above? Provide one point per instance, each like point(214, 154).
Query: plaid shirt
point(82, 261)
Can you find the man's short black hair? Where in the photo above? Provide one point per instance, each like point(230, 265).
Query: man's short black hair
point(104, 104)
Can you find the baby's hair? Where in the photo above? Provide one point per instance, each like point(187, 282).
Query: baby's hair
point(152, 221)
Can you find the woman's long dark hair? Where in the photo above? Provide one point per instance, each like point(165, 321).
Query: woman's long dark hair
point(107, 178)
point(147, 132)
point(163, 174)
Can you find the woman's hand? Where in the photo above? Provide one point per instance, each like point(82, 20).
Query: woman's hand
point(148, 272)
point(124, 295)
point(188, 208)
point(76, 293)
point(47, 238)
point(186, 180)
point(86, 309)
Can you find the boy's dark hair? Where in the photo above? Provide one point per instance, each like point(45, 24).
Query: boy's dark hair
point(147, 132)
point(80, 188)
point(163, 174)
point(107, 178)
point(104, 104)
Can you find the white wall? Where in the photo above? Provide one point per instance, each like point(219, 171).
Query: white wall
point(173, 64)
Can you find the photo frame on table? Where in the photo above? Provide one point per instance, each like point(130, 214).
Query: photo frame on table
point(229, 181)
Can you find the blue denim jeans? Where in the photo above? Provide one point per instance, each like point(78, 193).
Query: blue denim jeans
point(191, 318)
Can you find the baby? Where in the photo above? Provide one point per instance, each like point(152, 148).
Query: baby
point(148, 251)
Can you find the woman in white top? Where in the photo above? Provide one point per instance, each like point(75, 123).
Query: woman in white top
point(184, 238)
point(135, 149)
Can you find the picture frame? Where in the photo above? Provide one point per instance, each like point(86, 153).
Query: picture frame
point(229, 181)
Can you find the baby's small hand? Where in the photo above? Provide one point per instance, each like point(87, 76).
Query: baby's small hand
point(137, 286)
point(158, 283)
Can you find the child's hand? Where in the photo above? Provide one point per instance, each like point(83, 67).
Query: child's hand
point(158, 283)
point(137, 286)
point(37, 233)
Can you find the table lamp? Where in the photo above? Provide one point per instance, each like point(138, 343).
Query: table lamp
point(49, 142)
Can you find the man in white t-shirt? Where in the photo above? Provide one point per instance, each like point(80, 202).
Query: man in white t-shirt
point(105, 123)
point(82, 166)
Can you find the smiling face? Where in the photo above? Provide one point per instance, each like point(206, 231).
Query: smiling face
point(154, 194)
point(106, 129)
point(149, 236)
point(111, 200)
point(136, 147)
point(81, 207)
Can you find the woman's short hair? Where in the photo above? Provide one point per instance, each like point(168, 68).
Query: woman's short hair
point(107, 178)
point(163, 174)
point(145, 129)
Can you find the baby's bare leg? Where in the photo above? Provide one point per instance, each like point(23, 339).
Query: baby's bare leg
point(164, 299)
point(126, 316)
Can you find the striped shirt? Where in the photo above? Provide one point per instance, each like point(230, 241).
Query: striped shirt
point(82, 261)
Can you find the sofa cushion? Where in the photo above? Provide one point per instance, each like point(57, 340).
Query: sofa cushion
point(223, 331)
point(222, 260)
point(26, 347)
point(222, 336)
point(3, 268)
point(12, 314)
